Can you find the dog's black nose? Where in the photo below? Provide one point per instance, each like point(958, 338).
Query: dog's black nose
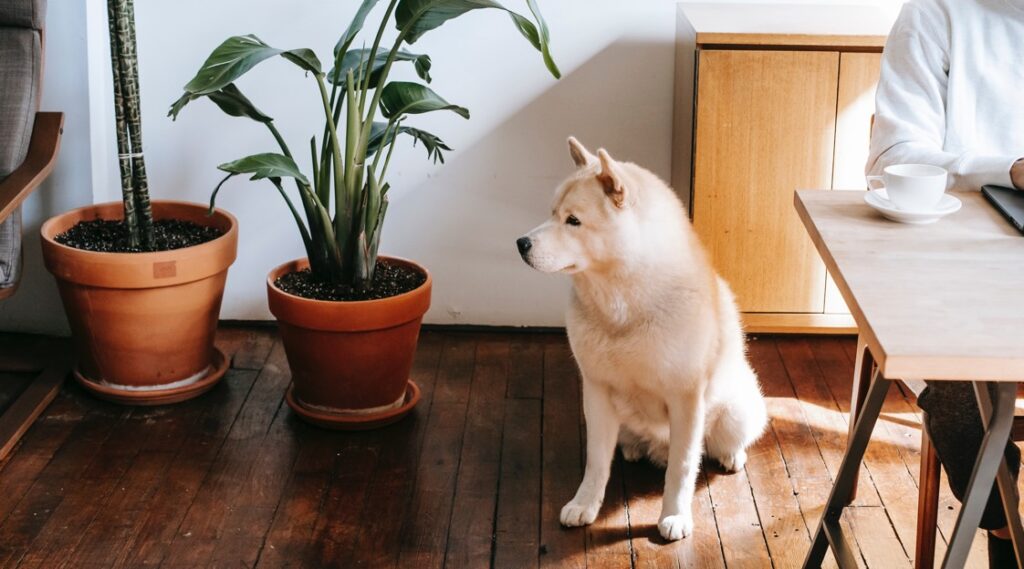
point(524, 245)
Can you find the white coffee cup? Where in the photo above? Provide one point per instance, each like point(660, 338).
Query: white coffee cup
point(912, 187)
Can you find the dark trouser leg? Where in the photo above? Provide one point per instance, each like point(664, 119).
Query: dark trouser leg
point(955, 427)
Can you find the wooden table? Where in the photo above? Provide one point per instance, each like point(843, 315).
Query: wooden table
point(938, 302)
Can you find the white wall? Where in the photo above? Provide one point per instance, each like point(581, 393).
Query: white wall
point(459, 219)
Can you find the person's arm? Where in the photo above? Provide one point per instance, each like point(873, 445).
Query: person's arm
point(1017, 174)
point(910, 105)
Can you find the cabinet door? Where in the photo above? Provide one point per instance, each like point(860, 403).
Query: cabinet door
point(765, 128)
point(858, 78)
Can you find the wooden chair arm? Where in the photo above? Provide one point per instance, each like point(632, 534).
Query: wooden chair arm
point(42, 154)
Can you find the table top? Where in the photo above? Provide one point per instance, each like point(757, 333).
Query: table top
point(833, 25)
point(939, 301)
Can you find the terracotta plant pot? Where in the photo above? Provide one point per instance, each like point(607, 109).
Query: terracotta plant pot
point(144, 323)
point(350, 361)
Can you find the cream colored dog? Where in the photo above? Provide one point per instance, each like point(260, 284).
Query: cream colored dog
point(655, 330)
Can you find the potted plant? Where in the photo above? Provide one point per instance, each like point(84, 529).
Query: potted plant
point(349, 318)
point(141, 281)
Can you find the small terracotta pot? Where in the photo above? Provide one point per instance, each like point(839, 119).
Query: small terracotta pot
point(350, 361)
point(144, 323)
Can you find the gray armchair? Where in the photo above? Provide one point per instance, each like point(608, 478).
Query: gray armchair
point(29, 141)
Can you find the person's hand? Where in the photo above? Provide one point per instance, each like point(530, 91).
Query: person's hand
point(1017, 174)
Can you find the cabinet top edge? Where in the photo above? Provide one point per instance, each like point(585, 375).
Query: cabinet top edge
point(790, 25)
point(830, 41)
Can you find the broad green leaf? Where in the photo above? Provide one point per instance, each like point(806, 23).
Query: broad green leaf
point(353, 58)
point(266, 165)
point(402, 97)
point(434, 145)
point(544, 39)
point(229, 99)
point(236, 56)
point(417, 17)
point(354, 26)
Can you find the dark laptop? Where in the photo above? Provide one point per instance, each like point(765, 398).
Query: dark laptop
point(1009, 202)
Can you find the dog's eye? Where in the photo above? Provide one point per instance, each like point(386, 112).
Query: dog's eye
point(571, 220)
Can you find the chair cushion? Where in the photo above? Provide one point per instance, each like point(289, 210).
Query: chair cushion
point(23, 13)
point(10, 250)
point(20, 75)
point(20, 62)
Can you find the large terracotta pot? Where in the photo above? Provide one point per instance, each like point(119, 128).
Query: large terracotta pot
point(350, 361)
point(143, 323)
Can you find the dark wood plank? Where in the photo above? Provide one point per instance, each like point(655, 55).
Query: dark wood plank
point(232, 483)
point(251, 512)
point(526, 368)
point(562, 451)
point(248, 348)
point(388, 490)
point(516, 536)
point(71, 462)
point(885, 458)
point(804, 464)
point(169, 505)
point(163, 432)
point(608, 538)
point(25, 408)
point(820, 411)
point(35, 451)
point(429, 516)
point(476, 491)
point(739, 526)
point(99, 507)
point(644, 485)
point(786, 529)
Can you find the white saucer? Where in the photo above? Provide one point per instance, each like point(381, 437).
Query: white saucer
point(879, 201)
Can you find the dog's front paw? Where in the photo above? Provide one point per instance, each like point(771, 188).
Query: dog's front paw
point(735, 462)
point(575, 515)
point(676, 527)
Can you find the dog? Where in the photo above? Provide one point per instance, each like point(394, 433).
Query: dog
point(655, 331)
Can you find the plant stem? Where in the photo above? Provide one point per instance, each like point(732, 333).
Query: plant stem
point(123, 147)
point(387, 161)
point(365, 138)
point(373, 55)
point(338, 172)
point(128, 60)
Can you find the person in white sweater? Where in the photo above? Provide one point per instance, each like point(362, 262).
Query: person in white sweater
point(951, 94)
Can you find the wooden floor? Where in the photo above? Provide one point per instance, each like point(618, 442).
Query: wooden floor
point(474, 478)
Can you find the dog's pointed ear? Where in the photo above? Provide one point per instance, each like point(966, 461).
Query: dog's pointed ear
point(610, 177)
point(581, 157)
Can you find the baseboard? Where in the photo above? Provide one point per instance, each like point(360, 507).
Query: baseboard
point(790, 323)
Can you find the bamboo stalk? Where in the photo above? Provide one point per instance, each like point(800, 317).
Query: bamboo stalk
point(129, 71)
point(123, 148)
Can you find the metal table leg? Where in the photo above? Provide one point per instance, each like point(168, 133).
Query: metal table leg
point(990, 457)
point(828, 532)
point(1007, 485)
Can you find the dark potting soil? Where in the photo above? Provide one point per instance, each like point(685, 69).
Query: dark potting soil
point(111, 236)
point(388, 280)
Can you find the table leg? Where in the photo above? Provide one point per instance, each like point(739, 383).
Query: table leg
point(990, 456)
point(828, 528)
point(1007, 485)
point(862, 373)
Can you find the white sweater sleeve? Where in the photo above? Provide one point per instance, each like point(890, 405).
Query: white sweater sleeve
point(910, 105)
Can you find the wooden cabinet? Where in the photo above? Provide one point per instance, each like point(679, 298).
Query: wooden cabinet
point(760, 114)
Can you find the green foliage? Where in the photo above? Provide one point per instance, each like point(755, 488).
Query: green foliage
point(350, 161)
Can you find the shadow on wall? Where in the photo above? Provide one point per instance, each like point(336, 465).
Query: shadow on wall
point(610, 101)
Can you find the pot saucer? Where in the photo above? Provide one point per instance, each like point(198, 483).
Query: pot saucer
point(879, 201)
point(354, 422)
point(219, 367)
